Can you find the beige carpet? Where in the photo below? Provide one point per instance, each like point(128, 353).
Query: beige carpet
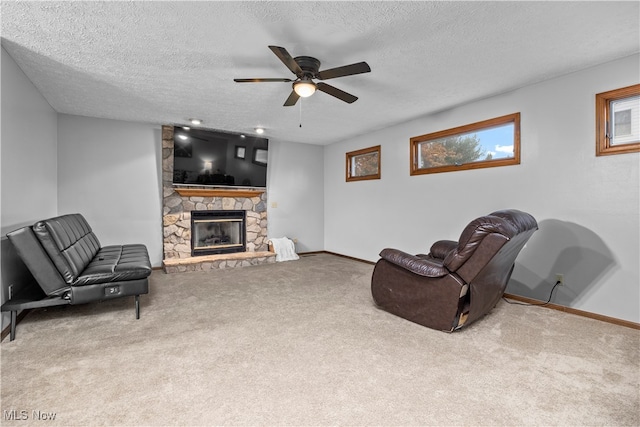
point(301, 343)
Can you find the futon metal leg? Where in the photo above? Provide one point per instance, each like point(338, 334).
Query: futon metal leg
point(12, 335)
point(137, 306)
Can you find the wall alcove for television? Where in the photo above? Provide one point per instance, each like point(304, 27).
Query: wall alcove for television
point(214, 158)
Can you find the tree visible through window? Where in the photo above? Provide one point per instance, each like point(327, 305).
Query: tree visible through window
point(494, 142)
point(455, 150)
point(363, 164)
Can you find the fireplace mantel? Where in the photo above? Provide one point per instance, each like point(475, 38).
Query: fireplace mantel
point(217, 192)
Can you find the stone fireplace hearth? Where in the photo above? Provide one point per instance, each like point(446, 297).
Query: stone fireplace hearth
point(180, 202)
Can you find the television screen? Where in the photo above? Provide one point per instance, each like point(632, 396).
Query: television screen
point(214, 158)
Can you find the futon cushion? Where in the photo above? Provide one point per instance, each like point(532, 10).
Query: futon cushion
point(69, 242)
point(115, 264)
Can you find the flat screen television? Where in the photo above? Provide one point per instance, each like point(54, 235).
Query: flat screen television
point(215, 158)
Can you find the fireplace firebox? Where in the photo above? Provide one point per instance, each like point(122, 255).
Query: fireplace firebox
point(218, 232)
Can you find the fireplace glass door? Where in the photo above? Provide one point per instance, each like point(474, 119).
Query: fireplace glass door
point(217, 232)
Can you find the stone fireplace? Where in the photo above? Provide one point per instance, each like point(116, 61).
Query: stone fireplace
point(183, 205)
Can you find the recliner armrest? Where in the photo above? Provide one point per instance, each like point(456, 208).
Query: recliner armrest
point(420, 266)
point(441, 248)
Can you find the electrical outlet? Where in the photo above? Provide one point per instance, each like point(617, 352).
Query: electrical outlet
point(560, 278)
point(10, 291)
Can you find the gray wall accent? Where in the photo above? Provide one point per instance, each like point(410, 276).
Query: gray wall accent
point(28, 173)
point(109, 171)
point(587, 206)
point(29, 150)
point(296, 189)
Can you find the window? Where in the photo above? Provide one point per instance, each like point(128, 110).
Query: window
point(621, 123)
point(618, 121)
point(486, 144)
point(363, 164)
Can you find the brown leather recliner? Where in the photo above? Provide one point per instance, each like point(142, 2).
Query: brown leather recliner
point(457, 282)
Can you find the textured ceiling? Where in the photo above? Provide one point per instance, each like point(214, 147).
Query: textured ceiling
point(164, 62)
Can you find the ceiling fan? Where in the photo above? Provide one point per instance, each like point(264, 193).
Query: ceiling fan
point(306, 69)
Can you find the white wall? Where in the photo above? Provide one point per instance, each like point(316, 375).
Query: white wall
point(110, 171)
point(296, 195)
point(29, 144)
point(587, 206)
point(28, 172)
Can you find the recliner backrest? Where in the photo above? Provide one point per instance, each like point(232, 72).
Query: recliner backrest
point(69, 242)
point(490, 233)
point(472, 237)
point(486, 254)
point(487, 285)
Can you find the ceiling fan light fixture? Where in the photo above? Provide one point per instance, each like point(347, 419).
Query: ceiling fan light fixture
point(307, 68)
point(304, 88)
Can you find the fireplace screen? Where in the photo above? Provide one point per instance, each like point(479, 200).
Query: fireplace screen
point(217, 232)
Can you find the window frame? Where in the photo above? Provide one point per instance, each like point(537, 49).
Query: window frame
point(603, 114)
point(414, 144)
point(350, 158)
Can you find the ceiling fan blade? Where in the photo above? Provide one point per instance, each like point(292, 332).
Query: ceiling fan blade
point(286, 59)
point(347, 70)
point(292, 99)
point(260, 80)
point(334, 91)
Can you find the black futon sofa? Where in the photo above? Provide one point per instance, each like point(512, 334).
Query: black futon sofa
point(70, 267)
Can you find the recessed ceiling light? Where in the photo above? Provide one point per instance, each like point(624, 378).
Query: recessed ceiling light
point(182, 137)
point(259, 130)
point(195, 121)
point(186, 127)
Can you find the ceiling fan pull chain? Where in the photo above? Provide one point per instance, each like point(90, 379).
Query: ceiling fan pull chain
point(301, 112)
